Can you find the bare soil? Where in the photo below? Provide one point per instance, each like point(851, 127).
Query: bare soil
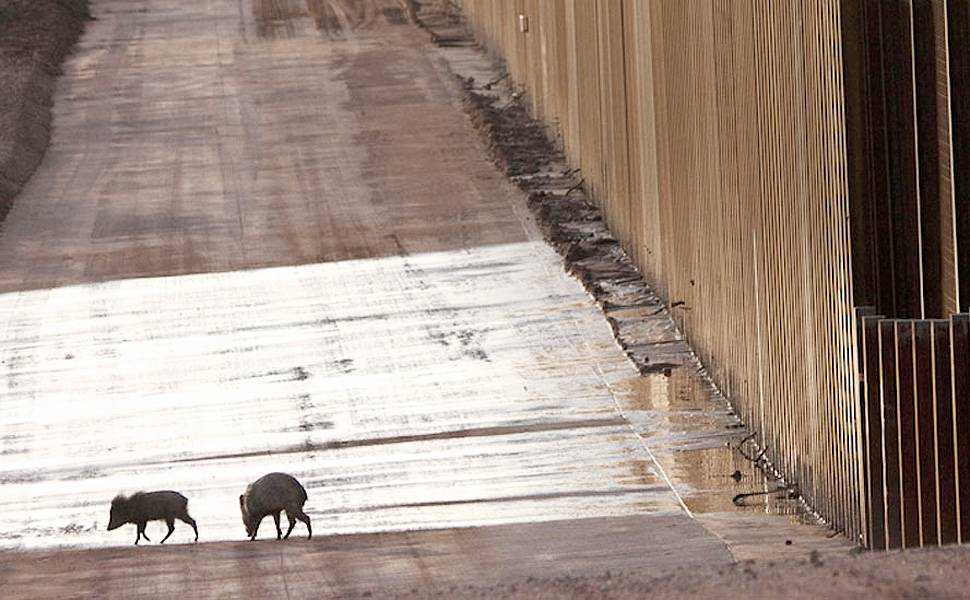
point(35, 37)
point(914, 574)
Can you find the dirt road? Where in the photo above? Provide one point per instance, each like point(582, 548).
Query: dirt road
point(224, 135)
point(266, 237)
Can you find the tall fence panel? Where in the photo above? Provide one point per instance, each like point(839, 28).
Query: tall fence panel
point(917, 453)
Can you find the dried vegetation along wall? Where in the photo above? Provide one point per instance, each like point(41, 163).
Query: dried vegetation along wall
point(712, 133)
point(35, 36)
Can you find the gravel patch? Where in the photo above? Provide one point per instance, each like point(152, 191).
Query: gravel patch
point(914, 574)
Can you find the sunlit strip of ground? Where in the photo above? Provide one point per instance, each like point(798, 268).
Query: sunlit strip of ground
point(444, 389)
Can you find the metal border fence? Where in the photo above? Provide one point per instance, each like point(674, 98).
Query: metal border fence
point(756, 160)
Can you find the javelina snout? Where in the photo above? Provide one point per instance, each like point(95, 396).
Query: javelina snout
point(270, 495)
point(151, 506)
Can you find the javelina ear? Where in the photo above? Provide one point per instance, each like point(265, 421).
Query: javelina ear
point(242, 500)
point(119, 500)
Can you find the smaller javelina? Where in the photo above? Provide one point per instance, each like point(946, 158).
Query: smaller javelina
point(151, 506)
point(270, 495)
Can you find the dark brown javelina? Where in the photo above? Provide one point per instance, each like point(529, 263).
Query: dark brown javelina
point(270, 495)
point(151, 506)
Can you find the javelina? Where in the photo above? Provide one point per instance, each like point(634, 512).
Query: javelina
point(142, 507)
point(270, 495)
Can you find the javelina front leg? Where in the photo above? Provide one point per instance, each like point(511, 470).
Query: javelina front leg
point(292, 524)
point(252, 538)
point(276, 519)
point(171, 527)
point(141, 532)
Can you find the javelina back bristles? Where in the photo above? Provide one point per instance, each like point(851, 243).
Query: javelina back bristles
point(142, 507)
point(270, 495)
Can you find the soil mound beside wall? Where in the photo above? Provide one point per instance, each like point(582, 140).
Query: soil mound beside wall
point(35, 37)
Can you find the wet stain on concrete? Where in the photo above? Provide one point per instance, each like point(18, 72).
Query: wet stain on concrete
point(312, 426)
point(344, 365)
point(15, 477)
point(408, 439)
point(395, 15)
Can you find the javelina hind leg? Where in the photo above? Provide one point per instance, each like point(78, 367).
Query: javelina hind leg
point(276, 519)
point(171, 527)
point(187, 519)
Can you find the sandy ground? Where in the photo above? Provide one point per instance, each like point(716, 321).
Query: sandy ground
point(340, 566)
point(566, 560)
point(911, 575)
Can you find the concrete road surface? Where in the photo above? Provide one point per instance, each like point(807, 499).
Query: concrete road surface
point(265, 237)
